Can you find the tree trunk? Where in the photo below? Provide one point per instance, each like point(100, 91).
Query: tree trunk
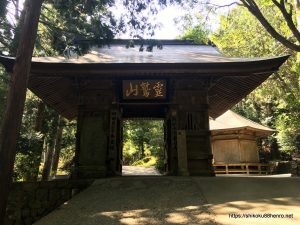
point(16, 99)
point(17, 16)
point(13, 48)
point(255, 11)
point(50, 152)
point(274, 149)
point(57, 146)
point(38, 128)
point(47, 162)
point(297, 12)
point(142, 150)
point(40, 117)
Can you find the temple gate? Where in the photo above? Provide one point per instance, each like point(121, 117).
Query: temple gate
point(180, 82)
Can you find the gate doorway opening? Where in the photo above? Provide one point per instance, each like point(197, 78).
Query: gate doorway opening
point(143, 150)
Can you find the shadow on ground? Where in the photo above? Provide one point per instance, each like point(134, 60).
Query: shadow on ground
point(181, 200)
point(227, 189)
point(262, 196)
point(135, 200)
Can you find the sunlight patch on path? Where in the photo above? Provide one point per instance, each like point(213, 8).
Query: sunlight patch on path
point(264, 207)
point(262, 196)
point(140, 171)
point(135, 200)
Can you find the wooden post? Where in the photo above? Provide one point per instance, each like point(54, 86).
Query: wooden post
point(91, 159)
point(182, 153)
point(16, 99)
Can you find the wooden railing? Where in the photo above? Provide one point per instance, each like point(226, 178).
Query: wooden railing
point(242, 168)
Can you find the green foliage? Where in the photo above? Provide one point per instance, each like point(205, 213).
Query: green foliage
point(30, 144)
point(64, 23)
point(143, 142)
point(28, 157)
point(68, 146)
point(289, 135)
point(3, 91)
point(240, 34)
point(146, 161)
point(195, 29)
point(33, 144)
point(276, 102)
point(6, 28)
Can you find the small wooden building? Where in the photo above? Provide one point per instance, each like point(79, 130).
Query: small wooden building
point(233, 139)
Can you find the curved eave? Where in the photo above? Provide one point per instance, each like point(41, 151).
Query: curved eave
point(235, 80)
point(230, 68)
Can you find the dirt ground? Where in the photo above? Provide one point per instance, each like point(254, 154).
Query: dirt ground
point(135, 201)
point(143, 200)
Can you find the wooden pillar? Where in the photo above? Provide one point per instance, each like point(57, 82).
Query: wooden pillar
point(92, 145)
point(171, 157)
point(115, 143)
point(95, 99)
point(199, 153)
point(182, 153)
point(193, 119)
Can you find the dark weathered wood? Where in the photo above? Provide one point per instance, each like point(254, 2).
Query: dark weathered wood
point(171, 156)
point(91, 159)
point(54, 82)
point(16, 99)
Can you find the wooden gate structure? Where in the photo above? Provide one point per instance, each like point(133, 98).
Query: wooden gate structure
point(180, 82)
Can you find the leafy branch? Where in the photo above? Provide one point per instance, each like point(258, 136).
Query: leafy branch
point(254, 9)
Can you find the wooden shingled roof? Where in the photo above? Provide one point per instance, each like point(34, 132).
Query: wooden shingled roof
point(231, 121)
point(53, 78)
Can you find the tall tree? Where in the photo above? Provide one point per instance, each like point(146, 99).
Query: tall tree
point(57, 148)
point(142, 138)
point(16, 97)
point(276, 102)
point(3, 90)
point(288, 10)
point(50, 148)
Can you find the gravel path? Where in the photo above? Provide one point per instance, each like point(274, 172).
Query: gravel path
point(139, 171)
point(135, 201)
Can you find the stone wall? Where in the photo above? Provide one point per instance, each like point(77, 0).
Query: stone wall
point(295, 167)
point(29, 201)
point(280, 167)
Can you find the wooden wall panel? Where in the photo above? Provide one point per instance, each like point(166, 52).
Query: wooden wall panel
point(226, 151)
point(249, 151)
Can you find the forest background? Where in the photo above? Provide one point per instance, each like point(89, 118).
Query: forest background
point(248, 28)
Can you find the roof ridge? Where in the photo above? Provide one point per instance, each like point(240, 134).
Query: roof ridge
point(141, 41)
point(251, 121)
